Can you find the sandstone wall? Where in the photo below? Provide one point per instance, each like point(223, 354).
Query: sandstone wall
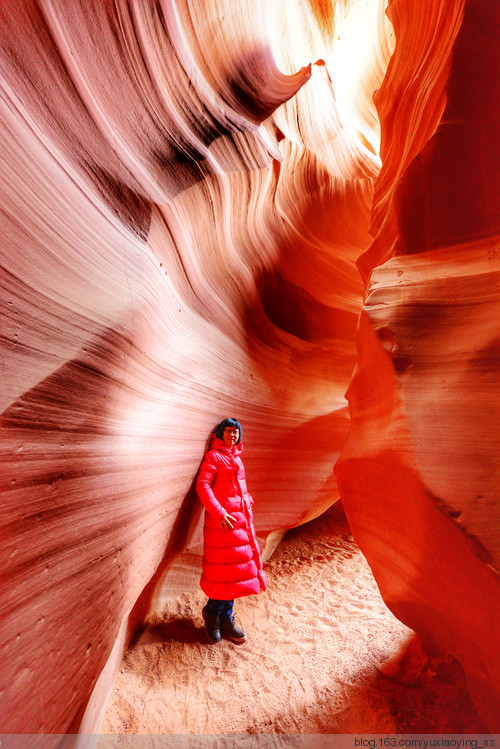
point(186, 190)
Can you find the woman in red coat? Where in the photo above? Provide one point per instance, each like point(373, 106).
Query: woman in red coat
point(231, 565)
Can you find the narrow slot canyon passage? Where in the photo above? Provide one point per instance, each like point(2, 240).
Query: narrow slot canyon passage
point(324, 655)
point(284, 212)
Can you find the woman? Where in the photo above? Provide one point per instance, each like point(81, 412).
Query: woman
point(231, 565)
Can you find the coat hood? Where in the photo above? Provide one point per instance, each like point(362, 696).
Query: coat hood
point(218, 444)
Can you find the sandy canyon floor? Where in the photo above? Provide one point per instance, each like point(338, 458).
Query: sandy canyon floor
point(323, 655)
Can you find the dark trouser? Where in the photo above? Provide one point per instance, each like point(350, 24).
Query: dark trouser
point(222, 609)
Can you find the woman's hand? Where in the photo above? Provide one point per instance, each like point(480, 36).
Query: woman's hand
point(227, 522)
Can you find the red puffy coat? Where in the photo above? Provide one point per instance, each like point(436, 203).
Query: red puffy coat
point(231, 565)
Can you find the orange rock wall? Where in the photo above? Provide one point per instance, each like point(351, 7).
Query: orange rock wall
point(186, 190)
point(420, 473)
point(183, 200)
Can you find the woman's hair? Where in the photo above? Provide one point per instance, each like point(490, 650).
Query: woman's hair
point(234, 423)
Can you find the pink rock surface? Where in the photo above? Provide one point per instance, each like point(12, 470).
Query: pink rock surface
point(420, 472)
point(184, 199)
point(167, 260)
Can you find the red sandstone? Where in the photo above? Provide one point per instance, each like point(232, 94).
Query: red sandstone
point(184, 194)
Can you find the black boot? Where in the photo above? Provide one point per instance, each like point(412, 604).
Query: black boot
point(229, 629)
point(212, 626)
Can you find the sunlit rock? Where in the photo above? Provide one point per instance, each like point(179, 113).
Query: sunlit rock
point(193, 195)
point(420, 473)
point(186, 188)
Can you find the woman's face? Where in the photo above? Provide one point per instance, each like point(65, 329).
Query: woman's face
point(230, 436)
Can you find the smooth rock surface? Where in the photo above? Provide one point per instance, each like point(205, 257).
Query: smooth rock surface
point(420, 472)
point(185, 191)
point(184, 196)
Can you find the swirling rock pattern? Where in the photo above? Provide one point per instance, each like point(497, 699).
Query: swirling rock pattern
point(184, 200)
point(420, 471)
point(184, 197)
